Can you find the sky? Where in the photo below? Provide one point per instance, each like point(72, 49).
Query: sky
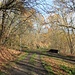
point(44, 5)
point(43, 8)
point(49, 1)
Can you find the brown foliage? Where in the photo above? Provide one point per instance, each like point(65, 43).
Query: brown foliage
point(7, 55)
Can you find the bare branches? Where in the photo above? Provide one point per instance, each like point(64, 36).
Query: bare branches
point(67, 26)
point(11, 4)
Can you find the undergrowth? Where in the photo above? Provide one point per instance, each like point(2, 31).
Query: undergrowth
point(70, 71)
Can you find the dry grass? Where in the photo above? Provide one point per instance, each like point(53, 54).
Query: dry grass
point(55, 64)
point(7, 55)
point(58, 61)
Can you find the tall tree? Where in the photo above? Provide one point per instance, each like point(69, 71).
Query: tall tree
point(66, 9)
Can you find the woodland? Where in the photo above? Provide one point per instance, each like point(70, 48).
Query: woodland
point(36, 26)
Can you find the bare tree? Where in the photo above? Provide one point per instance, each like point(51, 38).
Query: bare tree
point(65, 9)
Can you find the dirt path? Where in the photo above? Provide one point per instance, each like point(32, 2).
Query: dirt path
point(31, 65)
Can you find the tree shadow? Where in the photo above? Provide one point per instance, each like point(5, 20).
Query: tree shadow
point(70, 59)
point(25, 67)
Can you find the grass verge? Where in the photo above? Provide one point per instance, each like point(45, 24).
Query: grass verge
point(32, 59)
point(48, 68)
point(57, 66)
point(70, 71)
point(21, 57)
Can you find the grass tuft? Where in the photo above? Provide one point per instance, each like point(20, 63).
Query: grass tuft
point(48, 68)
point(71, 71)
point(32, 59)
point(21, 57)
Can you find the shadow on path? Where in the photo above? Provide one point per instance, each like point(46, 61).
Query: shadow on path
point(25, 67)
point(65, 58)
